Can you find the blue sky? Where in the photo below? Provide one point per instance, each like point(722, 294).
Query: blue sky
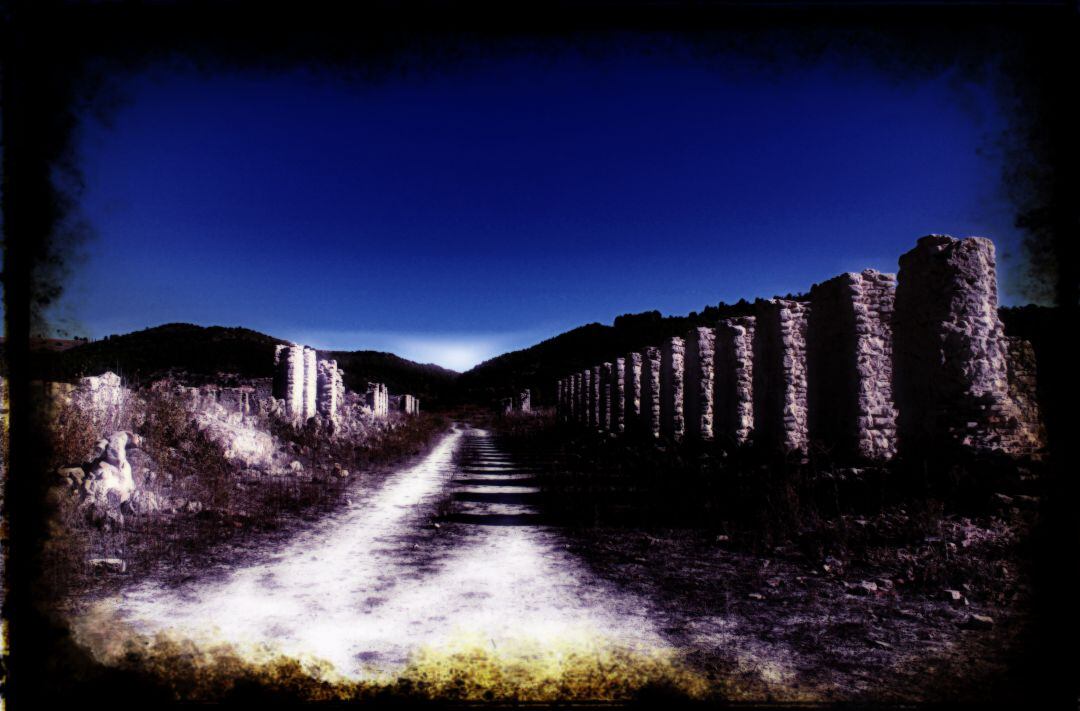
point(458, 214)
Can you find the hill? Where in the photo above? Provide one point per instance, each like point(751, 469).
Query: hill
point(537, 367)
point(201, 353)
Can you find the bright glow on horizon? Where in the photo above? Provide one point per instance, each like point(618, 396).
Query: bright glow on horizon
point(456, 351)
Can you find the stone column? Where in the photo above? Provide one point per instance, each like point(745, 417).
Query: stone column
point(294, 406)
point(587, 402)
point(594, 397)
point(734, 386)
point(605, 397)
point(700, 364)
point(850, 405)
point(951, 372)
point(672, 387)
point(311, 382)
point(650, 391)
point(327, 394)
point(632, 385)
point(780, 418)
point(618, 396)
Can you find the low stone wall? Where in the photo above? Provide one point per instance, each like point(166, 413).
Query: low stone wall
point(700, 386)
point(734, 386)
point(672, 387)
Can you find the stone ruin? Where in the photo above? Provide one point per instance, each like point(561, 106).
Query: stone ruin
point(733, 411)
point(850, 360)
point(699, 386)
point(377, 399)
point(866, 366)
point(306, 384)
point(952, 360)
point(409, 405)
point(522, 402)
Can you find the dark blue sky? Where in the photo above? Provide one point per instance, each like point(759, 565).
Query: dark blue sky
point(453, 216)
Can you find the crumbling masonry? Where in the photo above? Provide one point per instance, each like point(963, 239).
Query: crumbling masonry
point(866, 366)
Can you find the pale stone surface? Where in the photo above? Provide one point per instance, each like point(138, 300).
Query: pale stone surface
point(849, 364)
point(587, 417)
point(734, 374)
point(650, 391)
point(618, 396)
point(952, 360)
point(605, 409)
point(410, 405)
point(672, 387)
point(699, 388)
point(109, 471)
point(595, 383)
point(377, 399)
point(632, 383)
point(780, 389)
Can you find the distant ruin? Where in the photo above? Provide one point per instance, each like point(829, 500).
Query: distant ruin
point(866, 366)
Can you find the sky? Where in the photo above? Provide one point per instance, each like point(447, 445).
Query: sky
point(457, 214)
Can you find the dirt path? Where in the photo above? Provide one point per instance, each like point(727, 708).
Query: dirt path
point(370, 587)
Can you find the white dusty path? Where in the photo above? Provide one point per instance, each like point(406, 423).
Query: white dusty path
point(353, 591)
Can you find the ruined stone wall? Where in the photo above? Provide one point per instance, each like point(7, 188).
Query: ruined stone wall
point(650, 391)
point(576, 400)
point(869, 363)
point(377, 399)
point(522, 402)
point(734, 380)
point(699, 389)
point(311, 382)
point(409, 405)
point(780, 388)
point(951, 378)
point(618, 396)
point(672, 387)
point(330, 390)
point(849, 363)
point(632, 383)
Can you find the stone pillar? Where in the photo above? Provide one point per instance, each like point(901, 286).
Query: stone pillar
point(311, 382)
point(650, 391)
point(618, 396)
point(604, 400)
point(780, 417)
point(672, 387)
point(632, 387)
point(951, 370)
point(1030, 434)
point(329, 386)
point(588, 418)
point(294, 383)
point(734, 380)
point(850, 405)
point(594, 397)
point(700, 365)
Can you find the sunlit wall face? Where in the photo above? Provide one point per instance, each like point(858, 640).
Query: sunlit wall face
point(476, 207)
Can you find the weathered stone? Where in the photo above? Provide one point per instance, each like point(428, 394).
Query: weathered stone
point(605, 404)
point(618, 396)
point(595, 385)
point(849, 365)
point(951, 363)
point(734, 376)
point(632, 385)
point(700, 386)
point(109, 475)
point(672, 387)
point(650, 391)
point(780, 420)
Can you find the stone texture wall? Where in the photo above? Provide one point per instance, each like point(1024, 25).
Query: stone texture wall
point(606, 370)
point(1030, 433)
point(734, 380)
point(576, 400)
point(780, 388)
point(311, 382)
point(618, 396)
point(700, 387)
point(650, 392)
point(672, 387)
point(849, 363)
point(409, 405)
point(951, 378)
point(632, 382)
point(330, 391)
